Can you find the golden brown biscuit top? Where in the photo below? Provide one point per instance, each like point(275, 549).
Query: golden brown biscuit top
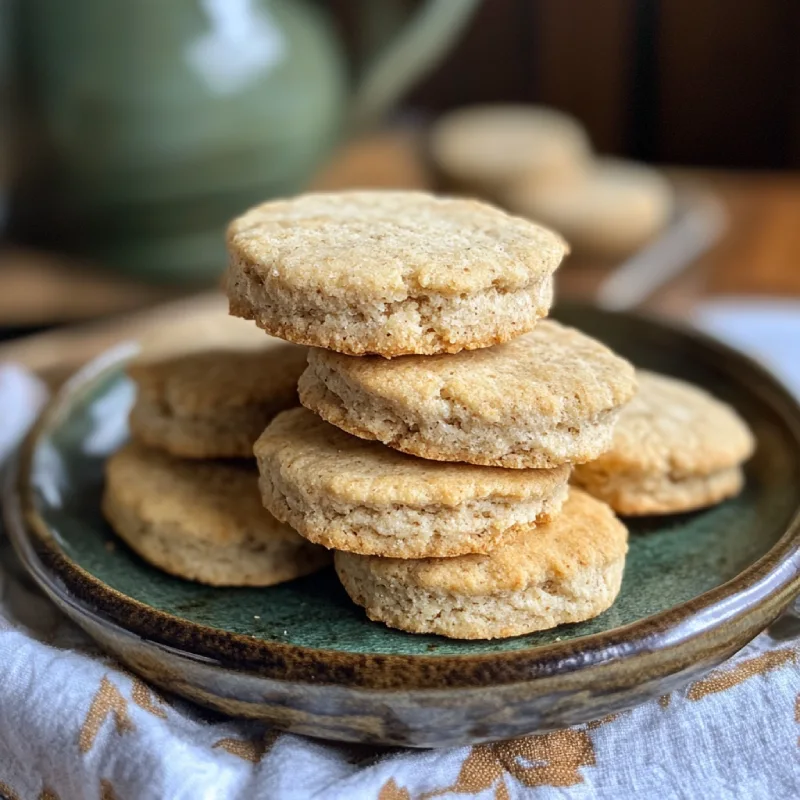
point(385, 246)
point(584, 537)
point(676, 428)
point(309, 452)
point(552, 372)
point(210, 381)
point(216, 501)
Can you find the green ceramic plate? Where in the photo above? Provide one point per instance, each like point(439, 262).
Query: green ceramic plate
point(697, 587)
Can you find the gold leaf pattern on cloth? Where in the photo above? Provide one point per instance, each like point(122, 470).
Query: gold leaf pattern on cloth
point(252, 750)
point(596, 723)
point(107, 701)
point(665, 700)
point(107, 790)
point(146, 698)
point(47, 794)
point(722, 680)
point(391, 791)
point(547, 759)
point(144, 695)
point(7, 792)
point(482, 769)
point(797, 715)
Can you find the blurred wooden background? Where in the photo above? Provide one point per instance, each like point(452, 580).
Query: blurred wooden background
point(712, 82)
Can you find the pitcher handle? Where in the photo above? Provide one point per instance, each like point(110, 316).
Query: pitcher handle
point(417, 48)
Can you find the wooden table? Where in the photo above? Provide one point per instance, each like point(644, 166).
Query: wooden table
point(759, 254)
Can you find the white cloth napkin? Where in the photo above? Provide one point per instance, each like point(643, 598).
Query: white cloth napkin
point(75, 726)
point(769, 330)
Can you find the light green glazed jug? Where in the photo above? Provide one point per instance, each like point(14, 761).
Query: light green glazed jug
point(162, 119)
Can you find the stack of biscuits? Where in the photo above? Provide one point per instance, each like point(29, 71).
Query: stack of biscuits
point(183, 493)
point(442, 419)
point(441, 416)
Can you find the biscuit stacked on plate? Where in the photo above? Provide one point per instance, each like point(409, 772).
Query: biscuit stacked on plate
point(675, 448)
point(441, 415)
point(175, 493)
point(441, 421)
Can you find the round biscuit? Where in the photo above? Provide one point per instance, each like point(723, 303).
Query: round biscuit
point(675, 448)
point(202, 520)
point(545, 399)
point(349, 494)
point(609, 211)
point(213, 403)
point(487, 149)
point(390, 272)
point(567, 571)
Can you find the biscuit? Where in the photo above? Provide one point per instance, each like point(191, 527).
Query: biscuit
point(349, 494)
point(214, 403)
point(675, 448)
point(486, 149)
point(390, 272)
point(202, 520)
point(545, 399)
point(567, 571)
point(609, 211)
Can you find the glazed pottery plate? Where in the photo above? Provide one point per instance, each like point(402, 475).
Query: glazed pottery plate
point(697, 587)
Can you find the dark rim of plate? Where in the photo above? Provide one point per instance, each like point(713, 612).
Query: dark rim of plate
point(747, 602)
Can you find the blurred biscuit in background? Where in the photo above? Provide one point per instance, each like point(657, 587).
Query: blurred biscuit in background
point(194, 325)
point(483, 150)
point(611, 210)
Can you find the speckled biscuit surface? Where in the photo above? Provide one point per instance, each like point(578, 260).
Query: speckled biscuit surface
point(389, 272)
point(487, 149)
point(567, 571)
point(609, 210)
point(202, 520)
point(214, 403)
point(675, 448)
point(545, 399)
point(350, 494)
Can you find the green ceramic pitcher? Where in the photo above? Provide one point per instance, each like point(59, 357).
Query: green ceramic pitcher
point(162, 119)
